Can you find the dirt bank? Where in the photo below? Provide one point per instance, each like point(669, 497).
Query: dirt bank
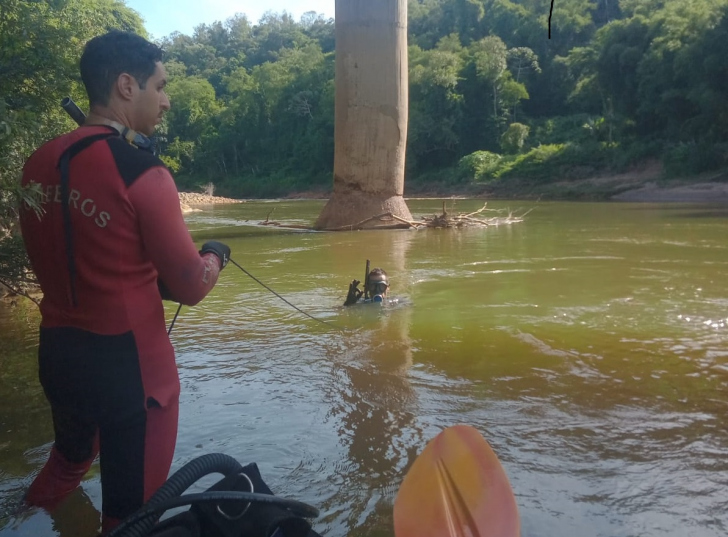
point(644, 183)
point(648, 186)
point(692, 193)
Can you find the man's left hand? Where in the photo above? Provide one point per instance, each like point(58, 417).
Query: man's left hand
point(354, 293)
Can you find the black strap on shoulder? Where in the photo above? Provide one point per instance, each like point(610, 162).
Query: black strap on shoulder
point(64, 166)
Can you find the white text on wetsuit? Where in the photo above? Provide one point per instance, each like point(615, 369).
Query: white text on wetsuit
point(87, 206)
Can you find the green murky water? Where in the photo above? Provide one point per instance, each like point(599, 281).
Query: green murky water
point(589, 344)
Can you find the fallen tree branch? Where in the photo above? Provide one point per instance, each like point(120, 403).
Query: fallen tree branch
point(401, 225)
point(446, 220)
point(389, 220)
point(286, 226)
point(19, 292)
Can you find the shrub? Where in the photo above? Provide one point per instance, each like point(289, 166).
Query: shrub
point(558, 162)
point(172, 163)
point(480, 165)
point(515, 136)
point(689, 159)
point(540, 162)
point(560, 129)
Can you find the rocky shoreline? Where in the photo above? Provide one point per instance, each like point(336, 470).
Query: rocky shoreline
point(188, 200)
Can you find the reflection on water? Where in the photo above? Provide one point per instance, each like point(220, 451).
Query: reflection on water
point(374, 407)
point(588, 344)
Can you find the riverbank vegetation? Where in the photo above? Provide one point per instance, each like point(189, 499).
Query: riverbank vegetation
point(495, 104)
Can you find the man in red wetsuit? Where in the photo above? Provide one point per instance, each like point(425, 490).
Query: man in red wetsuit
point(110, 242)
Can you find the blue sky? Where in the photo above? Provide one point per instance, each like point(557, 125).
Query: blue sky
point(162, 17)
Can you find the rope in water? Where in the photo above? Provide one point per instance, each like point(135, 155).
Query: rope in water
point(327, 323)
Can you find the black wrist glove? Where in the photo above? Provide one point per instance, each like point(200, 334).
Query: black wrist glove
point(354, 293)
point(219, 249)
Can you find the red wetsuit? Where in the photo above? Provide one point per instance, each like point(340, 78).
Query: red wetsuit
point(105, 360)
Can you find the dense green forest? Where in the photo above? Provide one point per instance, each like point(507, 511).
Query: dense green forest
point(493, 100)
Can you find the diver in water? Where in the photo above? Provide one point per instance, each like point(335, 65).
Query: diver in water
point(376, 287)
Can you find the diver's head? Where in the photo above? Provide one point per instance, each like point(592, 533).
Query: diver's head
point(377, 285)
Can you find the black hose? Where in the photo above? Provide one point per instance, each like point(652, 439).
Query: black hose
point(174, 487)
point(171, 325)
point(150, 512)
point(286, 301)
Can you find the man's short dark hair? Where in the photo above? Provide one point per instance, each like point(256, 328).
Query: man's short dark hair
point(378, 272)
point(107, 56)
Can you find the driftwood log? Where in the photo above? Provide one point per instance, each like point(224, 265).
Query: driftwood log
point(444, 220)
point(269, 222)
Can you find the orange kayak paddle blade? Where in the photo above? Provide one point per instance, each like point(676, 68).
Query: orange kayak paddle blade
point(456, 488)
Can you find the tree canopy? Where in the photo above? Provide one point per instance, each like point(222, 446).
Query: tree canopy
point(40, 47)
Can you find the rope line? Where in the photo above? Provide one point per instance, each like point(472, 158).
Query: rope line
point(327, 323)
point(286, 301)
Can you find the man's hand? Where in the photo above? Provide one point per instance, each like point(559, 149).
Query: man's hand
point(221, 250)
point(354, 293)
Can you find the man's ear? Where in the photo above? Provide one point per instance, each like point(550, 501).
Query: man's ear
point(127, 86)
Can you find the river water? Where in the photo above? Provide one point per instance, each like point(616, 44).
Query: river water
point(588, 344)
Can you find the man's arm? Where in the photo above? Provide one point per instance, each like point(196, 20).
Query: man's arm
point(186, 275)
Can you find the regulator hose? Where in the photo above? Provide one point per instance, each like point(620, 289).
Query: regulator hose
point(175, 486)
point(169, 495)
point(150, 512)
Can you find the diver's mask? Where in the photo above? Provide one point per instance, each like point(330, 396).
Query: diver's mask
point(377, 289)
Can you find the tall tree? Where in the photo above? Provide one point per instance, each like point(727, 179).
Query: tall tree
point(436, 106)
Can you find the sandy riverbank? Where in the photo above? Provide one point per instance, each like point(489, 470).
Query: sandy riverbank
point(646, 184)
point(692, 193)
